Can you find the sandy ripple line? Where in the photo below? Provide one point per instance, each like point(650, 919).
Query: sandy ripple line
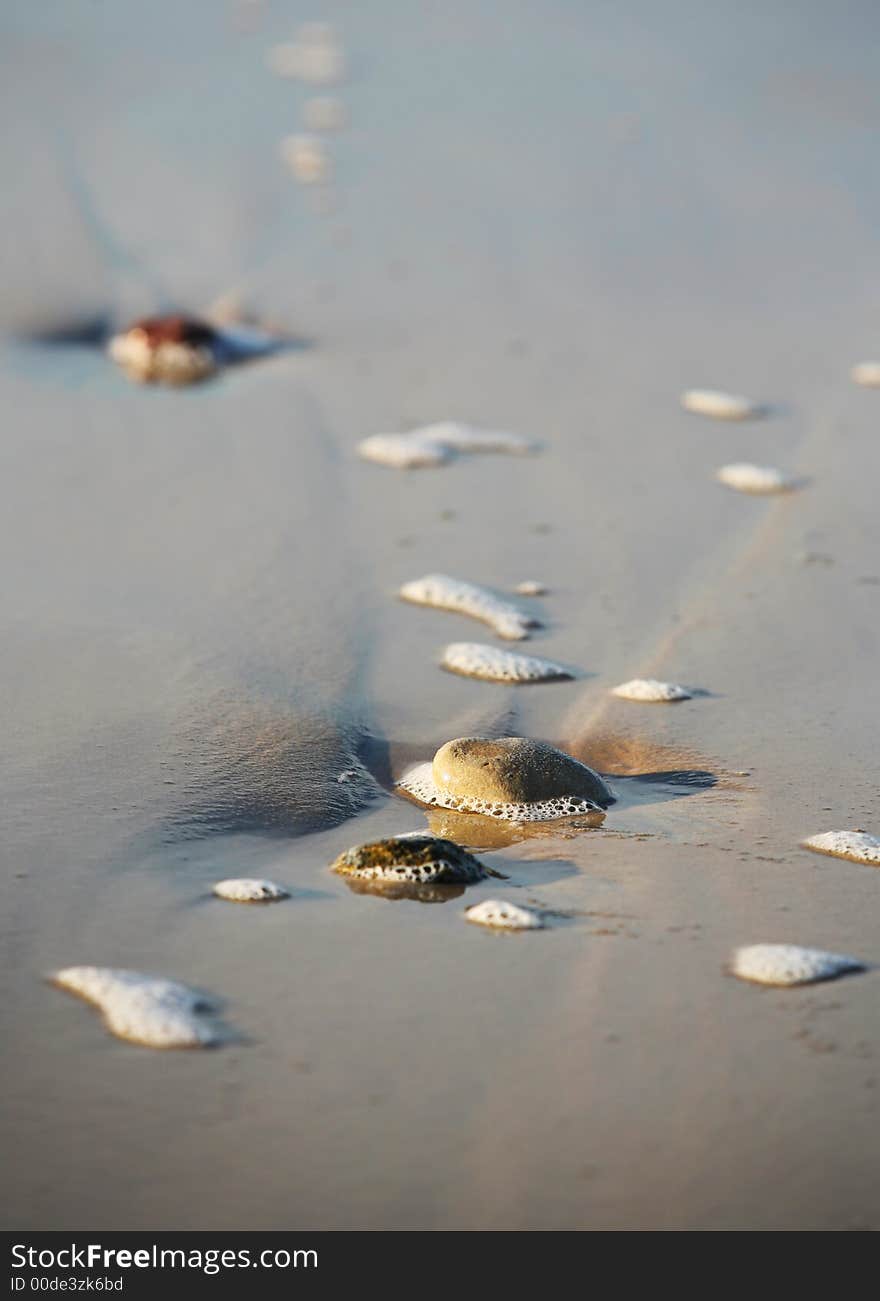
point(492, 664)
point(789, 964)
point(144, 1009)
point(460, 597)
point(719, 405)
point(857, 846)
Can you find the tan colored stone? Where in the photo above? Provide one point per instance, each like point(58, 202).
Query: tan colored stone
point(514, 770)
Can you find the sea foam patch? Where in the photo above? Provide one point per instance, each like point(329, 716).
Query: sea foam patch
point(403, 451)
point(720, 405)
point(745, 477)
point(432, 445)
point(445, 593)
point(250, 890)
point(503, 916)
point(511, 778)
point(307, 158)
point(144, 1009)
point(651, 691)
point(789, 964)
point(414, 858)
point(493, 664)
point(857, 846)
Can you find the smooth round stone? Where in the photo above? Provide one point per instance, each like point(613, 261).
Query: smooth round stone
point(514, 770)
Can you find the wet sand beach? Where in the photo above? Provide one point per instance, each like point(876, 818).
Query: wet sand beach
point(552, 222)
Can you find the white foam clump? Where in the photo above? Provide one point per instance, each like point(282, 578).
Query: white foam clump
point(316, 56)
point(144, 1009)
point(445, 593)
point(651, 691)
point(307, 158)
point(719, 405)
point(492, 664)
point(505, 916)
point(789, 964)
point(249, 890)
point(530, 587)
point(857, 846)
point(866, 373)
point(745, 477)
point(432, 445)
point(403, 451)
point(419, 782)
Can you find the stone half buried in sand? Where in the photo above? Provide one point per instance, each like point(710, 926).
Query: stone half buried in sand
point(413, 859)
point(857, 846)
point(511, 778)
point(179, 350)
point(166, 350)
point(789, 964)
point(493, 664)
point(651, 691)
point(145, 1009)
point(460, 597)
point(500, 915)
point(250, 890)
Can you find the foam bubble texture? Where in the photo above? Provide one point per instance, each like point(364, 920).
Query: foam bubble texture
point(144, 1009)
point(445, 593)
point(857, 846)
point(416, 859)
point(650, 691)
point(419, 782)
point(788, 964)
point(492, 664)
point(247, 890)
point(745, 477)
point(719, 405)
point(501, 915)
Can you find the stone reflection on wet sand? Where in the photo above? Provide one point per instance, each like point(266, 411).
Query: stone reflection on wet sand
point(415, 891)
